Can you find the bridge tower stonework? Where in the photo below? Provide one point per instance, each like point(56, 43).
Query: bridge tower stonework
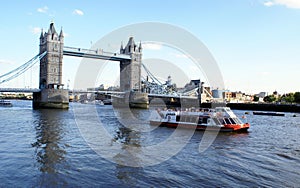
point(130, 70)
point(52, 94)
point(130, 75)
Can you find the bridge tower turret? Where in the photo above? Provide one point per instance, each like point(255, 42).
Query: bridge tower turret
point(130, 70)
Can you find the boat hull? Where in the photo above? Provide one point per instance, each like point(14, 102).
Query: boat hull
point(268, 113)
point(5, 103)
point(226, 128)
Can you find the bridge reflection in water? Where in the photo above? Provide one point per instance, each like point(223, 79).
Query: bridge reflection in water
point(49, 150)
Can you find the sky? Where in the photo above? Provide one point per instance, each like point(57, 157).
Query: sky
point(255, 43)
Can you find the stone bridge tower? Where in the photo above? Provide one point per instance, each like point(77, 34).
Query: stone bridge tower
point(51, 64)
point(130, 75)
point(130, 70)
point(52, 94)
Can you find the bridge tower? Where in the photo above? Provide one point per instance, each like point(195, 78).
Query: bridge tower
point(130, 70)
point(51, 64)
point(130, 75)
point(52, 94)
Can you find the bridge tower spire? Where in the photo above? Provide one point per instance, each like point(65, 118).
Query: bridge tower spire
point(130, 70)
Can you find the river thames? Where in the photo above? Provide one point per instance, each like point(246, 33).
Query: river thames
point(46, 148)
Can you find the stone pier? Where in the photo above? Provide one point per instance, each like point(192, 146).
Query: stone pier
point(51, 98)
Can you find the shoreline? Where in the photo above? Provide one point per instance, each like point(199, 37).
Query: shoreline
point(234, 106)
point(259, 106)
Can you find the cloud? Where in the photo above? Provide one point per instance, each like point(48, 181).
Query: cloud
point(268, 3)
point(36, 30)
point(43, 9)
point(152, 46)
point(66, 34)
point(4, 61)
point(288, 3)
point(78, 12)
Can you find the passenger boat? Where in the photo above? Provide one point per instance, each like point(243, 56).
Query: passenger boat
point(5, 103)
point(217, 119)
point(268, 113)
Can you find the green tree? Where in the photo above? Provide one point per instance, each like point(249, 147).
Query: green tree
point(289, 98)
point(270, 98)
point(297, 97)
point(255, 98)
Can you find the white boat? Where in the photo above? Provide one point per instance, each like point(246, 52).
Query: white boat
point(5, 103)
point(217, 119)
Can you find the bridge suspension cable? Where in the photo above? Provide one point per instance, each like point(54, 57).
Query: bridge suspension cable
point(23, 68)
point(151, 75)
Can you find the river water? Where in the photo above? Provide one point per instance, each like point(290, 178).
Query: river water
point(47, 148)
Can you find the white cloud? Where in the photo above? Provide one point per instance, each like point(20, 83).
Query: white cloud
point(78, 12)
point(288, 3)
point(66, 34)
point(268, 3)
point(36, 30)
point(152, 46)
point(43, 9)
point(4, 61)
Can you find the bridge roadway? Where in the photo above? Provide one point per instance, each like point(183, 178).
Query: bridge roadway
point(31, 90)
point(19, 90)
point(95, 54)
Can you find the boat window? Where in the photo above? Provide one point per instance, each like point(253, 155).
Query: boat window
point(200, 120)
point(220, 121)
point(232, 121)
point(227, 121)
point(238, 121)
point(217, 121)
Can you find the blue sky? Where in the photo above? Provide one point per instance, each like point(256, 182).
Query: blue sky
point(255, 42)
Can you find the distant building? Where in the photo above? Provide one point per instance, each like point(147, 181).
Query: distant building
point(238, 95)
point(261, 96)
point(219, 93)
point(192, 85)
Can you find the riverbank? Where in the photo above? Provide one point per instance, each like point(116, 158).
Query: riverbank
point(258, 106)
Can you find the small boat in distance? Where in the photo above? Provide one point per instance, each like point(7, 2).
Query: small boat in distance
point(5, 103)
point(268, 113)
point(218, 119)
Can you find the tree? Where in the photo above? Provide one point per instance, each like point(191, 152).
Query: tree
point(255, 98)
point(289, 98)
point(297, 97)
point(270, 98)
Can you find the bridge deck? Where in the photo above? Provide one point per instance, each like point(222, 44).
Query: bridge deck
point(19, 90)
point(94, 54)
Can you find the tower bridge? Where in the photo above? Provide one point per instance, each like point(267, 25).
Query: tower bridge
point(51, 94)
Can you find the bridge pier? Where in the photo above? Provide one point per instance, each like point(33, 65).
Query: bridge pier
point(133, 99)
point(138, 100)
point(51, 98)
